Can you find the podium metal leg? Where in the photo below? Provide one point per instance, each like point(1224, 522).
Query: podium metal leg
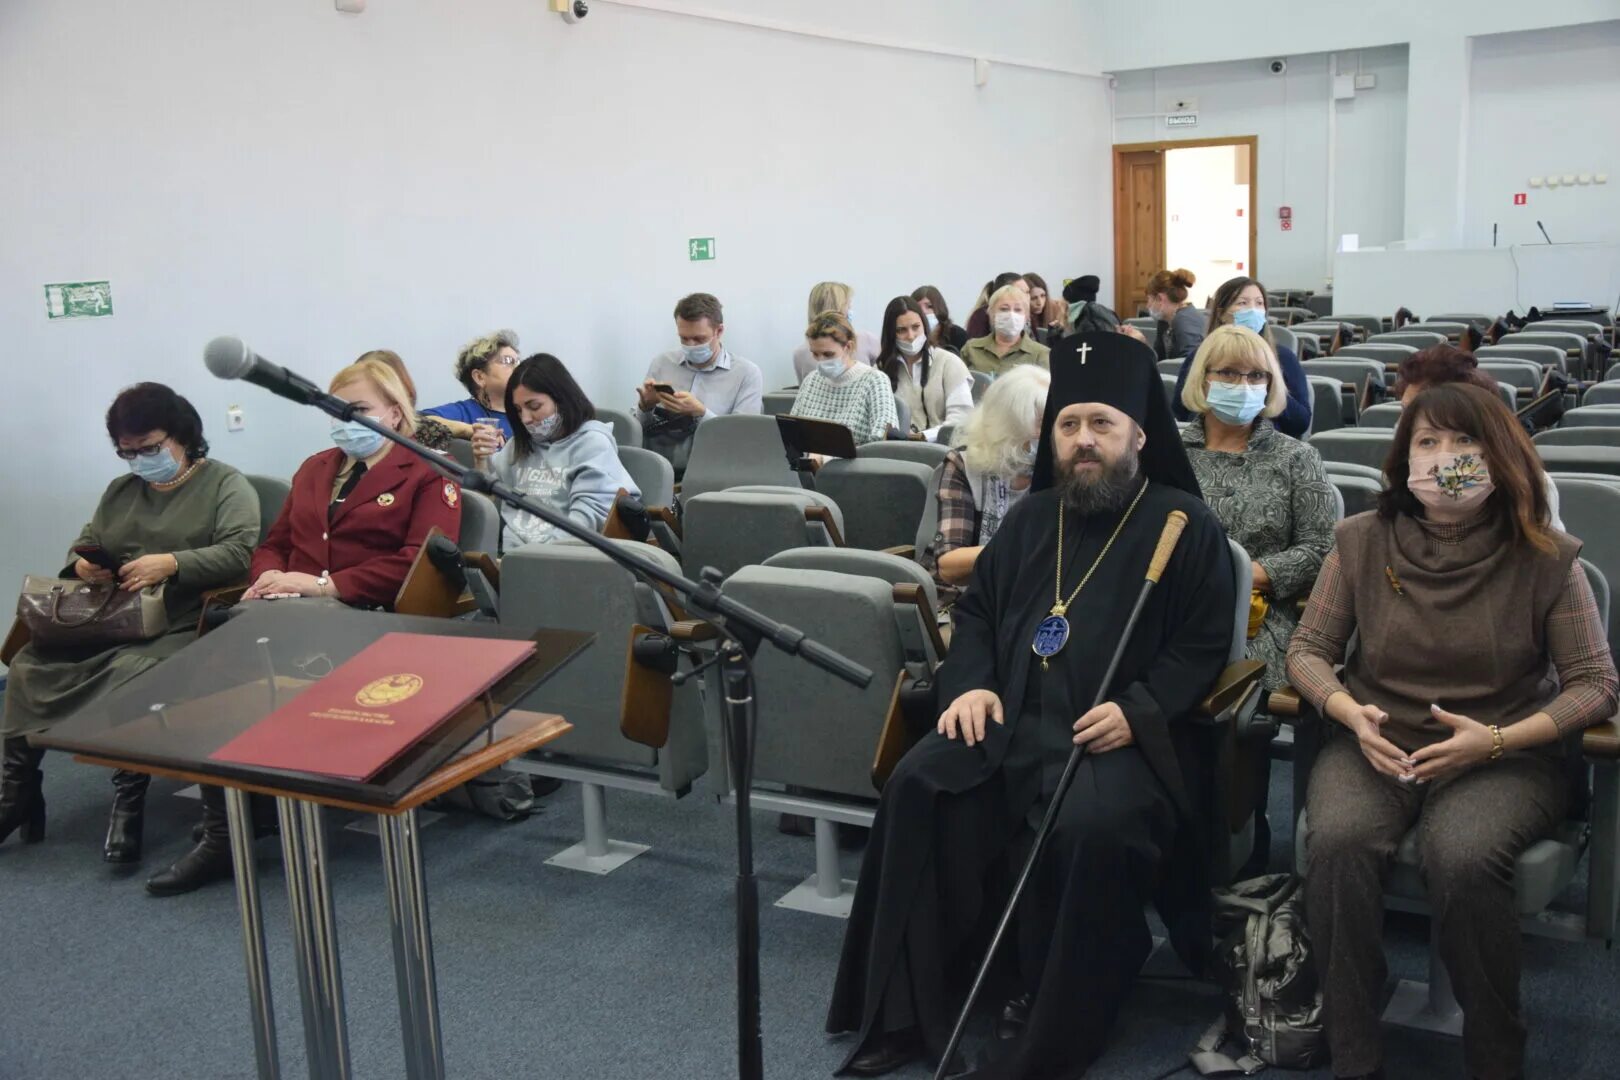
point(323, 927)
point(240, 817)
point(419, 938)
point(295, 867)
point(390, 834)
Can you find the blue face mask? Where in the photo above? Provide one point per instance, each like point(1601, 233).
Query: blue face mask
point(160, 468)
point(356, 440)
point(831, 369)
point(698, 355)
point(1237, 404)
point(1250, 319)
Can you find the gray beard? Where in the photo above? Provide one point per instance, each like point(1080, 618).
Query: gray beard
point(1113, 487)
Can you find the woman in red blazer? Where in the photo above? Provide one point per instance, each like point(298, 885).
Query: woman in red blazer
point(350, 539)
point(340, 535)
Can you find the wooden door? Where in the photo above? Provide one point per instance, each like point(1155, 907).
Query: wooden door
point(1138, 226)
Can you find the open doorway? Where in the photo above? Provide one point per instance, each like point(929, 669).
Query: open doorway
point(1183, 204)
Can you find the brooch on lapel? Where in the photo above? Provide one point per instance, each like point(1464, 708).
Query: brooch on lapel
point(451, 495)
point(386, 499)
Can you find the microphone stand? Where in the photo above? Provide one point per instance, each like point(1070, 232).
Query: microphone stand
point(741, 630)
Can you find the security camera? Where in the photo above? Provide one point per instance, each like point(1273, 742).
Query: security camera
point(1277, 67)
point(576, 11)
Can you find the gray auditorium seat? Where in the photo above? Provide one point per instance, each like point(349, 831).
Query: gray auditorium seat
point(1327, 402)
point(1474, 319)
point(1525, 377)
point(1590, 459)
point(626, 428)
point(272, 492)
point(480, 523)
point(1592, 416)
point(1350, 468)
point(1453, 331)
point(735, 528)
point(1573, 346)
point(1360, 375)
point(1171, 368)
point(729, 451)
point(1584, 328)
point(653, 474)
point(1420, 339)
point(902, 413)
point(1146, 324)
point(574, 587)
point(461, 451)
point(1603, 393)
point(1580, 436)
point(919, 643)
point(1386, 414)
point(1169, 382)
point(1357, 494)
point(779, 402)
point(1368, 324)
point(881, 498)
point(1386, 353)
point(1544, 355)
point(1590, 510)
point(1286, 338)
point(1544, 871)
point(928, 453)
point(1359, 447)
point(981, 383)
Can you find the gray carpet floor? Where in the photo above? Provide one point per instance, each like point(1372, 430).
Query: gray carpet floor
point(545, 972)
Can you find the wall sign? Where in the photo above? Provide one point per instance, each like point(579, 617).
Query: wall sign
point(1520, 198)
point(700, 249)
point(1187, 119)
point(78, 300)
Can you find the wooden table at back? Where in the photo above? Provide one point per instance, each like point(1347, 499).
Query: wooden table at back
point(168, 721)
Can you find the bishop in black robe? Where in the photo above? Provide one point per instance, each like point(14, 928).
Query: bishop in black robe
point(955, 820)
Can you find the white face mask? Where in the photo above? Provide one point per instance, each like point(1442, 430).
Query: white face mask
point(1009, 323)
point(831, 369)
point(912, 347)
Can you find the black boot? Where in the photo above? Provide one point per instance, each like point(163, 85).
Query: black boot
point(886, 1052)
point(1014, 1016)
point(128, 815)
point(22, 795)
point(208, 862)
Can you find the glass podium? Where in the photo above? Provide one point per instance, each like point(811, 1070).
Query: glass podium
point(167, 721)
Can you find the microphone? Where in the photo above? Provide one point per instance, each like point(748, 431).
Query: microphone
point(230, 358)
point(1543, 229)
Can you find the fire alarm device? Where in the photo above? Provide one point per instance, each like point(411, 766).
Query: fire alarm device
point(1285, 212)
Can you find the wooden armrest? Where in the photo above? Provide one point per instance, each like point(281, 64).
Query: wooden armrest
point(668, 516)
point(425, 591)
point(1601, 742)
point(1234, 684)
point(1284, 702)
point(905, 551)
point(912, 593)
point(225, 596)
point(614, 528)
point(692, 630)
point(644, 704)
point(15, 640)
point(825, 517)
point(894, 740)
point(487, 565)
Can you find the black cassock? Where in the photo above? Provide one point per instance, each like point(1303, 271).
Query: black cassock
point(955, 821)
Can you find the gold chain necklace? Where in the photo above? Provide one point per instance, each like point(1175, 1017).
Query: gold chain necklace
point(1053, 633)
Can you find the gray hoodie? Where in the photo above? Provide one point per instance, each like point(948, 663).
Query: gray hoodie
point(579, 475)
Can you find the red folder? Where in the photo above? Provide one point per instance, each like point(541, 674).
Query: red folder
point(376, 706)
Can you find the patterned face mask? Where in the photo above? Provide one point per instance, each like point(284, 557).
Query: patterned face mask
point(1451, 487)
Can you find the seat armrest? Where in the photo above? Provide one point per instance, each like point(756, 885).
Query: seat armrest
point(905, 551)
point(668, 516)
point(692, 630)
point(223, 597)
point(1601, 742)
point(1284, 702)
point(912, 593)
point(1236, 682)
point(824, 516)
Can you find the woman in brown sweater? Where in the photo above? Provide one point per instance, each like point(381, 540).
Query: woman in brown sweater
point(1481, 656)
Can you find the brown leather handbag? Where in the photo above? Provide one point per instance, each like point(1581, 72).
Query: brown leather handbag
point(68, 613)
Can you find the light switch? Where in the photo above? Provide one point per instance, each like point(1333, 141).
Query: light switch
point(234, 420)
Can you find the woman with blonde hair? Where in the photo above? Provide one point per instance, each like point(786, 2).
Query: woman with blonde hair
point(840, 390)
point(433, 432)
point(835, 297)
point(483, 366)
point(349, 531)
point(1007, 344)
point(981, 480)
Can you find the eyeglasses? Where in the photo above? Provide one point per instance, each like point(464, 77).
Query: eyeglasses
point(504, 361)
point(1228, 375)
point(144, 451)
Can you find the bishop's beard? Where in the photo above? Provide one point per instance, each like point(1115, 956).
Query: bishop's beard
point(1104, 490)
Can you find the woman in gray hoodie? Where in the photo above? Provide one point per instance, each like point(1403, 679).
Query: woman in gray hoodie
point(559, 453)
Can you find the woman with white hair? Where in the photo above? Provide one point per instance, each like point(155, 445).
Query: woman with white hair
point(483, 366)
point(1271, 493)
point(980, 482)
point(1007, 345)
point(835, 297)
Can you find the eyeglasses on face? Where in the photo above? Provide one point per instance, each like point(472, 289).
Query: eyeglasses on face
point(503, 361)
point(1231, 376)
point(150, 451)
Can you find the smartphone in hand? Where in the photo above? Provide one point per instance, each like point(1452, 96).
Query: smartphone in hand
point(96, 555)
point(663, 388)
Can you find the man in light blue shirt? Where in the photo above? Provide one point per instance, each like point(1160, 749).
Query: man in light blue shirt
point(699, 380)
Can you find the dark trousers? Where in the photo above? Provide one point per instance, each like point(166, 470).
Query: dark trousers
point(216, 827)
point(1471, 830)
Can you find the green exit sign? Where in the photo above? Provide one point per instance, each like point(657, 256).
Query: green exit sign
point(700, 248)
point(78, 300)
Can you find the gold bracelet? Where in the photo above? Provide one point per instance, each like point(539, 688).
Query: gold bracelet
point(1496, 742)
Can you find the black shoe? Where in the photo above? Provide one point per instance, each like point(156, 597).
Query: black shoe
point(128, 816)
point(22, 790)
point(544, 785)
point(1014, 1016)
point(1259, 860)
point(204, 864)
point(885, 1053)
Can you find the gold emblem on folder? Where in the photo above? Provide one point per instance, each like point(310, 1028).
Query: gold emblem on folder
point(389, 691)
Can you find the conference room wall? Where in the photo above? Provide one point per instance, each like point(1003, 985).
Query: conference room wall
point(1544, 103)
point(1290, 115)
point(321, 184)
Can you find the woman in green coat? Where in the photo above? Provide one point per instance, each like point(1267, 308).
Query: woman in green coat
point(178, 519)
